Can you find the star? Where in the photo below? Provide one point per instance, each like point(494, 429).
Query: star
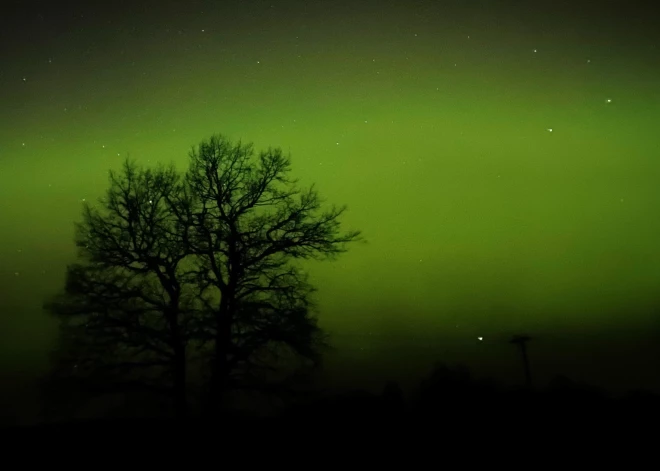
point(534, 50)
point(550, 129)
point(480, 338)
point(608, 100)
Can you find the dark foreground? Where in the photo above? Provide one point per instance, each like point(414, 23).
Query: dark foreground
point(466, 412)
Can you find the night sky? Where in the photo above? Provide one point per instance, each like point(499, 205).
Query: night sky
point(501, 159)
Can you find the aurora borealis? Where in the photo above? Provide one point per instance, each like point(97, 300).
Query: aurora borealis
point(501, 159)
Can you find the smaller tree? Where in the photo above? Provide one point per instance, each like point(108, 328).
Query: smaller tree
point(126, 306)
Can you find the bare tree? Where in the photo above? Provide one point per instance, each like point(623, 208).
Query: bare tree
point(249, 222)
point(205, 264)
point(126, 305)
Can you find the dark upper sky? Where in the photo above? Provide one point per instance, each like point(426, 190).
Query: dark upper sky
point(500, 157)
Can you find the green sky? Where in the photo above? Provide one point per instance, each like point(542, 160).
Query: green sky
point(502, 162)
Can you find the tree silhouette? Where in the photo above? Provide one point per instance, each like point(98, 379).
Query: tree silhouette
point(249, 223)
point(202, 266)
point(126, 305)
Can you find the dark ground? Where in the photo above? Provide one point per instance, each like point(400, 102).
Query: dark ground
point(448, 402)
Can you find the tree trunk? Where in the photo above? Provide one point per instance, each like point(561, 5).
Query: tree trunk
point(180, 394)
point(179, 367)
point(220, 370)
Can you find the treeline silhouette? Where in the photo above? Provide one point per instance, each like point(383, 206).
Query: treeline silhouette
point(451, 396)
